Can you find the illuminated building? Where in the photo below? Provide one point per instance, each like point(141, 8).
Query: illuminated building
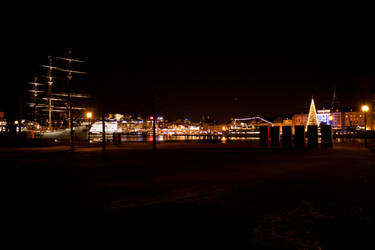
point(323, 116)
point(110, 127)
point(118, 117)
point(352, 120)
point(338, 120)
point(355, 120)
point(3, 122)
point(299, 119)
point(282, 122)
point(313, 118)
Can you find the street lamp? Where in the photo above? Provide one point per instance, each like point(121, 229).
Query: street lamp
point(330, 118)
point(88, 116)
point(365, 109)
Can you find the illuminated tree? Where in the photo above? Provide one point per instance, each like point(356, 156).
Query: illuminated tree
point(312, 118)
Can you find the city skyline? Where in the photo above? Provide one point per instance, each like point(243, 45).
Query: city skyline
point(218, 89)
point(266, 66)
point(245, 126)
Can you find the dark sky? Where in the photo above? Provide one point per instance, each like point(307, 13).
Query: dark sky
point(236, 71)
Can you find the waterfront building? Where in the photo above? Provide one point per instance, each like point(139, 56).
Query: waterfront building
point(357, 120)
point(110, 127)
point(299, 119)
point(3, 122)
point(323, 116)
point(338, 121)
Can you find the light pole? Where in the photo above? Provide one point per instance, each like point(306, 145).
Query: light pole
point(330, 118)
point(88, 116)
point(153, 122)
point(365, 109)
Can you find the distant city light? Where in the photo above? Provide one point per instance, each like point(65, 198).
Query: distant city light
point(110, 127)
point(118, 117)
point(324, 116)
point(365, 108)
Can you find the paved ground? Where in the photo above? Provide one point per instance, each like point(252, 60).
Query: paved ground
point(266, 198)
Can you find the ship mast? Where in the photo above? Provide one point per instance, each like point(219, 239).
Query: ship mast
point(69, 76)
point(55, 99)
point(49, 93)
point(35, 98)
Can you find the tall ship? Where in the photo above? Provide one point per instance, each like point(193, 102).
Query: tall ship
point(54, 105)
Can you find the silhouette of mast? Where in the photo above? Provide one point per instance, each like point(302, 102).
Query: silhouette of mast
point(35, 97)
point(49, 94)
point(50, 99)
point(57, 101)
point(69, 74)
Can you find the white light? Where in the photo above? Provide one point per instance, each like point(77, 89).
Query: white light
point(110, 127)
point(365, 108)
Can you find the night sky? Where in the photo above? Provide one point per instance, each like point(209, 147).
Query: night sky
point(265, 70)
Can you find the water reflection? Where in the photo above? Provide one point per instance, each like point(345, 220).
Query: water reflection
point(179, 138)
point(161, 138)
point(349, 140)
point(215, 139)
point(357, 142)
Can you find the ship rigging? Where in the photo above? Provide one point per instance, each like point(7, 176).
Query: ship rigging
point(53, 101)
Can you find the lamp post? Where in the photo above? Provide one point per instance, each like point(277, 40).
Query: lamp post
point(330, 118)
point(88, 116)
point(365, 109)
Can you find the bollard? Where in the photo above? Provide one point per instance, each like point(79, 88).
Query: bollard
point(119, 139)
point(116, 139)
point(263, 136)
point(326, 138)
point(286, 139)
point(30, 135)
point(275, 136)
point(312, 136)
point(299, 137)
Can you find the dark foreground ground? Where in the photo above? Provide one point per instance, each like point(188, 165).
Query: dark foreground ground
point(195, 195)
